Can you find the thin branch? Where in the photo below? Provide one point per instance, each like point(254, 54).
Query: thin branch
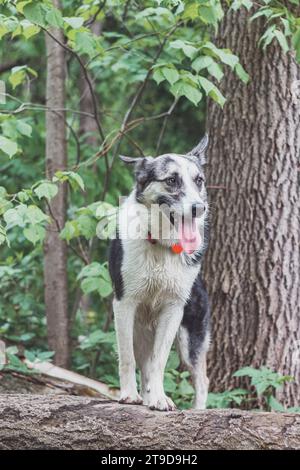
point(216, 187)
point(9, 65)
point(164, 125)
point(78, 148)
point(90, 21)
point(29, 106)
point(86, 76)
point(134, 103)
point(125, 12)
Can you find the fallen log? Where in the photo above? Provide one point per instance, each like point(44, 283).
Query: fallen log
point(71, 422)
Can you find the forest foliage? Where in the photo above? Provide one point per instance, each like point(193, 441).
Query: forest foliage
point(149, 69)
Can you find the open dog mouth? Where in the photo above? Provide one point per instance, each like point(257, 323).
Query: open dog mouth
point(186, 231)
point(189, 235)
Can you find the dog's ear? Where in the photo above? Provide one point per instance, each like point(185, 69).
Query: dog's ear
point(199, 150)
point(142, 167)
point(130, 160)
point(138, 162)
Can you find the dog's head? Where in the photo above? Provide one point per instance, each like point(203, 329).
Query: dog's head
point(176, 183)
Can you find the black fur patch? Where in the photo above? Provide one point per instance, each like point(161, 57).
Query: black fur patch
point(115, 263)
point(196, 318)
point(144, 176)
point(167, 200)
point(166, 162)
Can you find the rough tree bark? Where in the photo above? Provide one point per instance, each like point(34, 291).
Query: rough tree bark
point(252, 266)
point(43, 422)
point(55, 249)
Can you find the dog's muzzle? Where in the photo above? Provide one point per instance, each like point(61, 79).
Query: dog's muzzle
point(198, 209)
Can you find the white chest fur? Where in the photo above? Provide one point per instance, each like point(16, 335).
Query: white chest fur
point(151, 271)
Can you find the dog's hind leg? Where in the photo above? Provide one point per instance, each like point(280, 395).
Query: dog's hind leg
point(193, 340)
point(124, 313)
point(196, 366)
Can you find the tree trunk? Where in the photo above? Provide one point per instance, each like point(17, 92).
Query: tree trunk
point(62, 422)
point(55, 261)
point(252, 266)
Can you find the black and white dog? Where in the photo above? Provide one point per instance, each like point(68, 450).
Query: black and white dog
point(159, 294)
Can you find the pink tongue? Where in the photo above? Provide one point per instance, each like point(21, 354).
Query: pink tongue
point(189, 236)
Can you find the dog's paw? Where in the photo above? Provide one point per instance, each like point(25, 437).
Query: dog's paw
point(162, 403)
point(131, 399)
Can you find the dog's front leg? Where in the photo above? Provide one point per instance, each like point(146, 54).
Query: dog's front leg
point(124, 312)
point(166, 329)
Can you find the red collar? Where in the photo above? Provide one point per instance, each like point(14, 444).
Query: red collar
point(175, 247)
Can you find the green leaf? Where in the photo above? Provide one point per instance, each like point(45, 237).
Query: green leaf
point(23, 196)
point(212, 91)
point(217, 96)
point(54, 18)
point(282, 40)
point(188, 49)
point(76, 181)
point(34, 215)
point(241, 73)
point(267, 12)
point(86, 43)
point(19, 74)
point(34, 233)
point(158, 76)
point(29, 29)
point(296, 44)
point(23, 128)
point(216, 71)
point(74, 22)
point(210, 14)
point(35, 13)
point(70, 230)
point(236, 4)
point(275, 405)
point(90, 284)
point(171, 74)
point(202, 62)
point(3, 30)
point(191, 11)
point(87, 226)
point(261, 386)
point(15, 217)
point(225, 55)
point(246, 371)
point(47, 190)
point(105, 287)
point(181, 88)
point(91, 270)
point(97, 337)
point(185, 388)
point(104, 209)
point(267, 37)
point(73, 178)
point(8, 146)
point(155, 12)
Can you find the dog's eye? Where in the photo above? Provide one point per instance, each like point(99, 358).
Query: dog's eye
point(171, 181)
point(199, 181)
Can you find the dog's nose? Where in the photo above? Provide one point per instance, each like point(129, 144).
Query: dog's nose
point(198, 209)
